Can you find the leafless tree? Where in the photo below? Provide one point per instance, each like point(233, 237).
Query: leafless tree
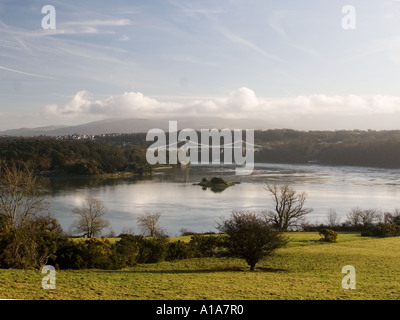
point(289, 207)
point(149, 224)
point(90, 221)
point(22, 195)
point(332, 219)
point(369, 217)
point(353, 217)
point(392, 217)
point(362, 218)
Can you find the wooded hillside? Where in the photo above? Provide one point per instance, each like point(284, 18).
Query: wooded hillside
point(127, 152)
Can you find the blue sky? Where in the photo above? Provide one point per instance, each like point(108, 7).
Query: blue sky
point(289, 62)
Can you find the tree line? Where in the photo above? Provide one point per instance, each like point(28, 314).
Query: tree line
point(339, 147)
point(345, 148)
point(370, 222)
point(82, 157)
point(110, 154)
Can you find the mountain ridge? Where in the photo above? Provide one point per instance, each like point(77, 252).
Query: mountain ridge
point(136, 125)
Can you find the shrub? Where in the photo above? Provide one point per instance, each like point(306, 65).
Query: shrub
point(70, 255)
point(31, 245)
point(328, 235)
point(152, 250)
point(205, 245)
point(98, 253)
point(250, 238)
point(85, 254)
point(126, 250)
point(102, 254)
point(178, 250)
point(383, 230)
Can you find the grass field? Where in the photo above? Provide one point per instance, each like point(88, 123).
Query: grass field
point(304, 269)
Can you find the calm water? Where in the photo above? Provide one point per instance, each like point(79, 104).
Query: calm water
point(184, 205)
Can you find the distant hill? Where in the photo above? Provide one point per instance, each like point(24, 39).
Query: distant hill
point(31, 131)
point(137, 126)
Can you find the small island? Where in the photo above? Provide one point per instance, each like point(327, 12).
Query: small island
point(215, 184)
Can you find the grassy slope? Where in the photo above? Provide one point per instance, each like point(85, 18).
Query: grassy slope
point(302, 270)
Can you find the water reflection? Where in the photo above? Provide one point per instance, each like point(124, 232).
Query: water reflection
point(183, 205)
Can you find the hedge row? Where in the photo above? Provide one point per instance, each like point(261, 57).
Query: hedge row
point(383, 230)
point(131, 249)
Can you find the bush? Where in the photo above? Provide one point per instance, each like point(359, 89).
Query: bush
point(152, 250)
point(98, 253)
point(126, 250)
point(205, 245)
point(31, 245)
point(383, 230)
point(93, 253)
point(178, 250)
point(130, 249)
point(250, 237)
point(70, 255)
point(328, 235)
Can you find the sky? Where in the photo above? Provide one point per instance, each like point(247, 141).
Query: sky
point(306, 65)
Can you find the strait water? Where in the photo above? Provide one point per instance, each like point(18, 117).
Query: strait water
point(184, 205)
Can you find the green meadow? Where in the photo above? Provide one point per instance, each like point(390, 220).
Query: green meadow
point(305, 269)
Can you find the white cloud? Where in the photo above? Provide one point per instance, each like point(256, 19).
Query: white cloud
point(131, 104)
point(241, 103)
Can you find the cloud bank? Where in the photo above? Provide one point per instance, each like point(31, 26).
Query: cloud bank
point(307, 112)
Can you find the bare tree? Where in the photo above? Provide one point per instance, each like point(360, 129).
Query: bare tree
point(332, 219)
point(90, 220)
point(353, 217)
point(149, 224)
point(392, 217)
point(368, 217)
point(289, 207)
point(22, 195)
point(363, 219)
